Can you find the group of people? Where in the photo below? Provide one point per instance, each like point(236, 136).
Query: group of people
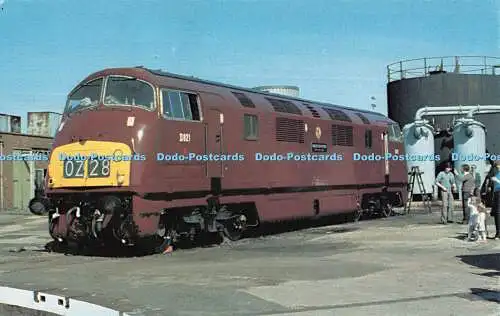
point(473, 209)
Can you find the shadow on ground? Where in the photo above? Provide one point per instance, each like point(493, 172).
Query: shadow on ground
point(464, 236)
point(281, 227)
point(97, 251)
point(296, 225)
point(209, 240)
point(486, 295)
point(489, 261)
point(142, 249)
point(461, 236)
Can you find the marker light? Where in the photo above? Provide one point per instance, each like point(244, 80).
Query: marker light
point(120, 179)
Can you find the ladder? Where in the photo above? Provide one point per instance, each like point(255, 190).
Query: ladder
point(416, 174)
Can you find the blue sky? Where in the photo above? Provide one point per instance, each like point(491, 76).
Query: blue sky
point(335, 51)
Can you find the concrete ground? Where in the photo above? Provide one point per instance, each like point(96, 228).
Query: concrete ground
point(403, 265)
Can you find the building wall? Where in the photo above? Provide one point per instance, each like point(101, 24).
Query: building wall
point(43, 123)
point(9, 184)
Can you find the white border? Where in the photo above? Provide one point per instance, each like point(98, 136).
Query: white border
point(52, 303)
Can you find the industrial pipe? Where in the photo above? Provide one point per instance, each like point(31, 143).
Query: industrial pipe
point(459, 109)
point(483, 109)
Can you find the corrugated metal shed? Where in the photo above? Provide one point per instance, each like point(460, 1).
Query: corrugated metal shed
point(43, 123)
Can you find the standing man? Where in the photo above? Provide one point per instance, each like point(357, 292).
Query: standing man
point(495, 210)
point(477, 181)
point(488, 186)
point(445, 180)
point(468, 186)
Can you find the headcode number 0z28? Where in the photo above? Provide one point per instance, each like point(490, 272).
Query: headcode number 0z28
point(95, 168)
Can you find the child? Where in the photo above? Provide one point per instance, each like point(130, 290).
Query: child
point(483, 228)
point(477, 220)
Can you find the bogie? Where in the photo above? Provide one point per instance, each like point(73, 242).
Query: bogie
point(230, 220)
point(377, 204)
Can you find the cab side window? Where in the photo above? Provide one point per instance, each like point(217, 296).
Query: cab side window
point(395, 133)
point(180, 105)
point(250, 127)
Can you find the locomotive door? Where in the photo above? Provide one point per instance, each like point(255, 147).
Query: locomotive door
point(214, 142)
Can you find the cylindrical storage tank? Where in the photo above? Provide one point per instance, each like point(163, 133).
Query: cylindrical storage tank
point(469, 137)
point(418, 141)
point(445, 81)
point(291, 91)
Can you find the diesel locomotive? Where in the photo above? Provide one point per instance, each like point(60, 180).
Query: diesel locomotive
point(144, 153)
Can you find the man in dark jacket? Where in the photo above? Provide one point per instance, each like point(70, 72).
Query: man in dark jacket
point(488, 186)
point(468, 186)
point(495, 210)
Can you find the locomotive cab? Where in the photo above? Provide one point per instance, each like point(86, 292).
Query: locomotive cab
point(101, 139)
point(107, 169)
point(383, 201)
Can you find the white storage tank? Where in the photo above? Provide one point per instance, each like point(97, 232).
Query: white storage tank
point(469, 137)
point(419, 141)
point(291, 91)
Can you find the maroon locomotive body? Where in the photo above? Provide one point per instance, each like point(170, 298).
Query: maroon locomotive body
point(142, 153)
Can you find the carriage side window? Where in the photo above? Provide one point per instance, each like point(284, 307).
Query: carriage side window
point(368, 139)
point(180, 105)
point(86, 95)
point(250, 127)
point(129, 91)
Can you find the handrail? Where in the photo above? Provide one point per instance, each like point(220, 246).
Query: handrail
point(422, 67)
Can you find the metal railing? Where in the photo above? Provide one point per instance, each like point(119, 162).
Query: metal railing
point(422, 67)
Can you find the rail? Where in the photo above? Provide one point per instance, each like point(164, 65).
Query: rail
point(422, 67)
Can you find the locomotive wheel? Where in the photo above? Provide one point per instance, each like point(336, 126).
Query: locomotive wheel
point(232, 234)
point(371, 211)
point(387, 210)
point(233, 229)
point(38, 207)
